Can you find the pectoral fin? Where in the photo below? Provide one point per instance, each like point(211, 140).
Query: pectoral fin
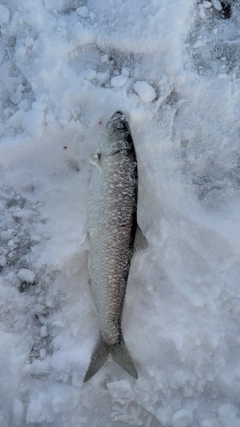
point(95, 160)
point(140, 242)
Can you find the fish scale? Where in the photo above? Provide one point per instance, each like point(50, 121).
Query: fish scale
point(112, 231)
point(111, 247)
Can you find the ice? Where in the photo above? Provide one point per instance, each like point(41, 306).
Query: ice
point(201, 11)
point(18, 409)
point(2, 260)
point(182, 418)
point(16, 119)
point(207, 4)
point(104, 58)
point(228, 415)
point(145, 91)
point(199, 43)
point(43, 331)
point(102, 77)
point(2, 49)
point(173, 68)
point(39, 410)
point(82, 11)
point(27, 275)
point(4, 15)
point(120, 389)
point(216, 4)
point(33, 122)
point(118, 81)
point(164, 415)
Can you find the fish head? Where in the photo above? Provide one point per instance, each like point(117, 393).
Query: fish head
point(117, 135)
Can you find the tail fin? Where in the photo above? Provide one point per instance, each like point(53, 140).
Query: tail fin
point(120, 355)
point(98, 359)
point(122, 358)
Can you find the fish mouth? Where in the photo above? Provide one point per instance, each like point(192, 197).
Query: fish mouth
point(118, 116)
point(117, 135)
point(118, 122)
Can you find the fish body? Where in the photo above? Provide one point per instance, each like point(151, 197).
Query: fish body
point(112, 230)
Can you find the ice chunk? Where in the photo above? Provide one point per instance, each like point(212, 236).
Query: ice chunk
point(26, 275)
point(38, 410)
point(120, 390)
point(42, 353)
point(43, 331)
point(3, 260)
point(16, 120)
point(216, 4)
point(199, 43)
point(83, 35)
point(90, 74)
point(207, 4)
point(17, 96)
point(104, 59)
point(201, 11)
point(29, 42)
point(24, 105)
point(145, 91)
point(125, 72)
point(164, 415)
point(58, 323)
point(227, 414)
point(103, 77)
point(82, 11)
point(182, 418)
point(118, 81)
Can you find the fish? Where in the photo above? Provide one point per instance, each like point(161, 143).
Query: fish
point(113, 237)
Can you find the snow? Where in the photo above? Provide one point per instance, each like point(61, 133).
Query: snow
point(216, 4)
point(207, 4)
point(118, 81)
point(182, 418)
point(179, 62)
point(4, 15)
point(82, 11)
point(27, 275)
point(145, 91)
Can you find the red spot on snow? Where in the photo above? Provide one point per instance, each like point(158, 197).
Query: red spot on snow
point(65, 147)
point(99, 123)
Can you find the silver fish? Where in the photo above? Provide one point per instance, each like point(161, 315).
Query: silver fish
point(113, 236)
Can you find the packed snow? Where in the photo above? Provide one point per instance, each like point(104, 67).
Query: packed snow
point(65, 67)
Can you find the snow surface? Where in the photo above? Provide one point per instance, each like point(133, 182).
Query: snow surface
point(182, 311)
